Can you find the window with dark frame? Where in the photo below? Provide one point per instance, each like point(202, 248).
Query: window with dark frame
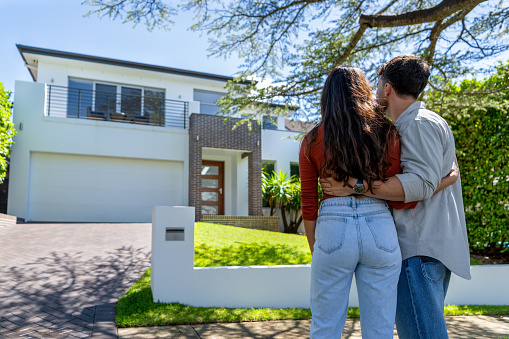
point(153, 106)
point(294, 169)
point(268, 167)
point(130, 103)
point(88, 98)
point(80, 97)
point(105, 98)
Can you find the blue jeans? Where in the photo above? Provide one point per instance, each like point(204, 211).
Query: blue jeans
point(422, 288)
point(354, 236)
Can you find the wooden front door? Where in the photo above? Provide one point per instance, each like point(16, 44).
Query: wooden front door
point(212, 187)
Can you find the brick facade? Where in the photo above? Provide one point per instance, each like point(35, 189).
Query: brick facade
point(215, 132)
point(253, 222)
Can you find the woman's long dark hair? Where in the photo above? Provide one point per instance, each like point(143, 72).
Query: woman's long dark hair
point(356, 133)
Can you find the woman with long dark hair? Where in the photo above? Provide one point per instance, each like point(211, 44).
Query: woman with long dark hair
point(354, 234)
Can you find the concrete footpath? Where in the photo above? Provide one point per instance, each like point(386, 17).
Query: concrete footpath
point(464, 327)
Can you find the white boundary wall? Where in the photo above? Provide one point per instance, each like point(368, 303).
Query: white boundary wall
point(175, 279)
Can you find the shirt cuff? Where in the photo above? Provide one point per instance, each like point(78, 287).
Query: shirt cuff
point(414, 187)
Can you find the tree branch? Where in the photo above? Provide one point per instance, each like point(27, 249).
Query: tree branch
point(383, 43)
point(351, 46)
point(357, 37)
point(275, 41)
point(433, 37)
point(437, 13)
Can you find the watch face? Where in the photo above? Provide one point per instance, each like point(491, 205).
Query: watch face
point(359, 189)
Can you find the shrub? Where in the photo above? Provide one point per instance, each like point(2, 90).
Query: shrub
point(6, 130)
point(478, 113)
point(283, 193)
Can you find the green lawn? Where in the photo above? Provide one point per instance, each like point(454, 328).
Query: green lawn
point(217, 245)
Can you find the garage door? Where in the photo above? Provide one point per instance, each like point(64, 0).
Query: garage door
point(75, 188)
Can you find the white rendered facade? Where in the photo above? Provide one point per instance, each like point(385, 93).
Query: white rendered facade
point(64, 169)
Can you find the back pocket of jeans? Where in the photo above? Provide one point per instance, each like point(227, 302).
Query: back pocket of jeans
point(330, 233)
point(384, 232)
point(432, 269)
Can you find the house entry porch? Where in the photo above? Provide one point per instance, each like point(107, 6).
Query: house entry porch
point(211, 138)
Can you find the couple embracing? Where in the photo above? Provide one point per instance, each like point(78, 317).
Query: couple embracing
point(392, 209)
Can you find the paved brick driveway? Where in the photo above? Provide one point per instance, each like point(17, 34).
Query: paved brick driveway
point(62, 280)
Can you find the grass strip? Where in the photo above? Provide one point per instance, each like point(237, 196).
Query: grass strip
point(454, 310)
point(136, 308)
point(218, 245)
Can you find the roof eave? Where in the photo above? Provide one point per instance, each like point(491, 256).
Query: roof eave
point(90, 58)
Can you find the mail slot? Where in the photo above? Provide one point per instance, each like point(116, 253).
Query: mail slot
point(174, 234)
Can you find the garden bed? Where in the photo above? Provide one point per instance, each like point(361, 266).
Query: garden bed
point(483, 259)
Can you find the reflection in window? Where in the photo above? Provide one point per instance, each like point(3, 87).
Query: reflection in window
point(210, 183)
point(131, 101)
point(105, 98)
point(209, 196)
point(210, 170)
point(209, 209)
point(269, 123)
point(268, 167)
point(79, 98)
point(153, 106)
point(115, 102)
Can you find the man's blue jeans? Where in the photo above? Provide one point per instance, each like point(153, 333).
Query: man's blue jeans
point(422, 287)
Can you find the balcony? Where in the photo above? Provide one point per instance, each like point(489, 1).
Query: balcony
point(128, 108)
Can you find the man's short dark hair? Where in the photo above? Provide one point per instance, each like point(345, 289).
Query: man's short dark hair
point(408, 74)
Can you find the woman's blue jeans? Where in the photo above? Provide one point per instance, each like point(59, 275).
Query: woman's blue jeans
point(354, 236)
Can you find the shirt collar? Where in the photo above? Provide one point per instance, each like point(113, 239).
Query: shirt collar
point(413, 107)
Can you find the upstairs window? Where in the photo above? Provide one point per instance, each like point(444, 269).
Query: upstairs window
point(269, 123)
point(153, 105)
point(115, 102)
point(208, 101)
point(105, 98)
point(131, 99)
point(80, 96)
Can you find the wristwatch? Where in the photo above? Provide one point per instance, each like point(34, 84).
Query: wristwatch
point(359, 187)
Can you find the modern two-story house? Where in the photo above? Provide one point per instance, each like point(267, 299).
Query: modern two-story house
point(105, 140)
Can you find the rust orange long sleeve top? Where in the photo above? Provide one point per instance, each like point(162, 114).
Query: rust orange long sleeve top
point(309, 173)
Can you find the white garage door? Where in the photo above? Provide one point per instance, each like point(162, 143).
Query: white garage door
point(77, 188)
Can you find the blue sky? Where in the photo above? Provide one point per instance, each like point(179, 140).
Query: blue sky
point(60, 25)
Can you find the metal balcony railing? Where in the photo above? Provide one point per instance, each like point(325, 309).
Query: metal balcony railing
point(146, 109)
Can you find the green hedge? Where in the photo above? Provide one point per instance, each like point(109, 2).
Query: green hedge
point(6, 130)
point(478, 113)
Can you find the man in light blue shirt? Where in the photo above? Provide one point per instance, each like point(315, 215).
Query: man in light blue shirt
point(432, 237)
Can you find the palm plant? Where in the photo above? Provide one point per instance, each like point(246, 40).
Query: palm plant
point(283, 192)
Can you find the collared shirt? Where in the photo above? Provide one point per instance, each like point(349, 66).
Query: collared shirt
point(436, 227)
